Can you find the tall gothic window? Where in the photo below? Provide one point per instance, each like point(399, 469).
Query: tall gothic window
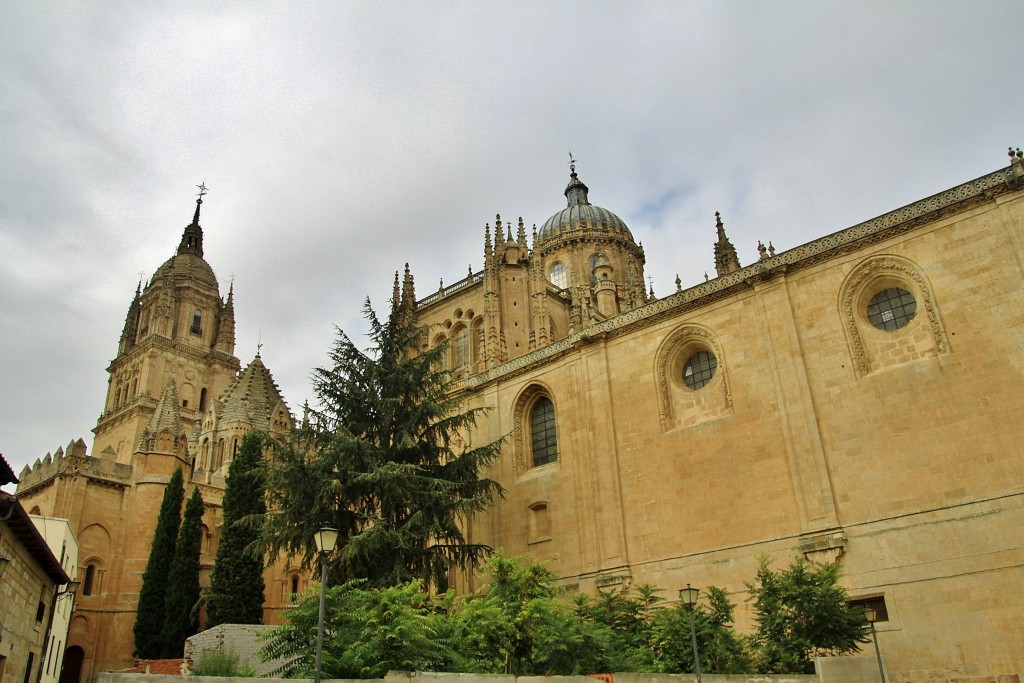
point(90, 576)
point(462, 349)
point(197, 322)
point(558, 276)
point(542, 432)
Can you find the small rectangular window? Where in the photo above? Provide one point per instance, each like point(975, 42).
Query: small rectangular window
point(872, 602)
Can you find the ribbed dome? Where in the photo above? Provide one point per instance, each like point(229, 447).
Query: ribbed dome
point(581, 215)
point(183, 267)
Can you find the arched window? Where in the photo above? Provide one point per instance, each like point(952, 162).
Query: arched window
point(558, 276)
point(202, 400)
point(543, 439)
point(478, 344)
point(197, 322)
point(460, 341)
point(88, 579)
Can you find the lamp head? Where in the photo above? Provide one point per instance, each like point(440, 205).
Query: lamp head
point(688, 595)
point(326, 538)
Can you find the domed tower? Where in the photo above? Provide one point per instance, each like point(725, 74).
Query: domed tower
point(590, 252)
point(177, 328)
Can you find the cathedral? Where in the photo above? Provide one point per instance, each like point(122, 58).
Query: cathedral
point(853, 400)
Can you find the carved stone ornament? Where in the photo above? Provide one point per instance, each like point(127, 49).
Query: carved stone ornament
point(674, 345)
point(852, 293)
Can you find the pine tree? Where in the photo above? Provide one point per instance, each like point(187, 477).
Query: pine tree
point(236, 586)
point(388, 461)
point(150, 616)
point(181, 605)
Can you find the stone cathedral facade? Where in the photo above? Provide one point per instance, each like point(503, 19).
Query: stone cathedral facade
point(854, 400)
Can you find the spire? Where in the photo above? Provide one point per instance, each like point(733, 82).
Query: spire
point(726, 260)
point(575, 191)
point(192, 238)
point(521, 235)
point(131, 321)
point(166, 418)
point(499, 239)
point(226, 328)
point(396, 295)
point(408, 291)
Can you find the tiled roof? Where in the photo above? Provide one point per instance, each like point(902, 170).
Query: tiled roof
point(252, 397)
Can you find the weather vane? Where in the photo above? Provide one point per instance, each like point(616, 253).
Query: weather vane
point(572, 162)
point(202, 189)
point(259, 343)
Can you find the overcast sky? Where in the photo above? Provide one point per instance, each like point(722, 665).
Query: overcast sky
point(340, 140)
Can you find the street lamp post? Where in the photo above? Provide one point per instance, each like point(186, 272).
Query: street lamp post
point(871, 615)
point(689, 597)
point(326, 538)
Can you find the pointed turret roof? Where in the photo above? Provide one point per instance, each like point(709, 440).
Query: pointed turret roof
point(252, 397)
point(131, 321)
point(166, 417)
point(726, 260)
point(192, 238)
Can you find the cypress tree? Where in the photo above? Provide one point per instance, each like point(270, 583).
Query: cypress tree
point(149, 618)
point(236, 586)
point(181, 616)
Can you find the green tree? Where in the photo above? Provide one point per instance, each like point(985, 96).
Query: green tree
point(149, 618)
point(721, 649)
point(387, 460)
point(181, 618)
point(802, 612)
point(372, 631)
point(629, 616)
point(236, 588)
point(525, 625)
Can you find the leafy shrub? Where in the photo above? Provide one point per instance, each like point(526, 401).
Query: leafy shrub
point(222, 662)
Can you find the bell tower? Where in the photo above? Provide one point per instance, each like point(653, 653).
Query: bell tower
point(178, 328)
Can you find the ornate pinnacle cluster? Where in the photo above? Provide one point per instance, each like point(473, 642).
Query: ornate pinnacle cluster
point(726, 260)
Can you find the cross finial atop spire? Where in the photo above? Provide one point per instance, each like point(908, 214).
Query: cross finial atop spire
point(199, 201)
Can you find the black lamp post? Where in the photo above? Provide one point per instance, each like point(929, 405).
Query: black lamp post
point(326, 538)
point(871, 614)
point(689, 597)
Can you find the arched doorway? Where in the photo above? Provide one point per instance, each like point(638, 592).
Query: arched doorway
point(71, 671)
